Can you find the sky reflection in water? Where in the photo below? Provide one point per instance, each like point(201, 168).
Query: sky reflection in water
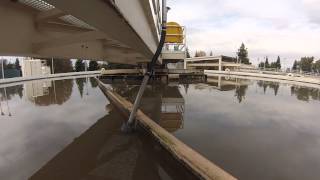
point(253, 129)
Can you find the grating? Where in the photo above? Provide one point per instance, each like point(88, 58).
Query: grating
point(44, 6)
point(77, 22)
point(37, 4)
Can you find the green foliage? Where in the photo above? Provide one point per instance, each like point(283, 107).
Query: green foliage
point(316, 66)
point(200, 54)
point(273, 65)
point(93, 66)
point(278, 63)
point(295, 65)
point(188, 53)
point(243, 54)
point(267, 65)
point(261, 65)
point(60, 65)
point(306, 63)
point(17, 64)
point(79, 66)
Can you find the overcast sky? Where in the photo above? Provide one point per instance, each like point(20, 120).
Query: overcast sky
point(288, 28)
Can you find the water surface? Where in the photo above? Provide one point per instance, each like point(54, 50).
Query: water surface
point(253, 129)
point(67, 129)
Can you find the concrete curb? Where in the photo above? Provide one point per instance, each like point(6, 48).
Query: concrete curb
point(22, 79)
point(192, 160)
point(270, 76)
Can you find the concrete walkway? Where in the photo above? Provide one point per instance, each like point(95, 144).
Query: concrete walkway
point(311, 80)
point(51, 76)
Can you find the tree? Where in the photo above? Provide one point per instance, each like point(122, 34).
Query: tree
point(295, 65)
point(60, 65)
point(278, 63)
point(261, 65)
point(273, 65)
point(79, 66)
point(267, 65)
point(243, 54)
point(211, 53)
point(17, 64)
point(200, 54)
point(93, 66)
point(306, 63)
point(188, 53)
point(316, 66)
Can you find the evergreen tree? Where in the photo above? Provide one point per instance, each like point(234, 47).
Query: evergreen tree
point(278, 63)
point(93, 66)
point(79, 66)
point(274, 65)
point(17, 64)
point(295, 65)
point(60, 65)
point(243, 54)
point(188, 53)
point(267, 65)
point(196, 54)
point(200, 54)
point(211, 53)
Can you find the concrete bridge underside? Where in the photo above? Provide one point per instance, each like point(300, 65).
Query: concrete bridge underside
point(118, 31)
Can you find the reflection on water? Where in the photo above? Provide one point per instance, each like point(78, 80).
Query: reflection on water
point(44, 93)
point(254, 129)
point(268, 84)
point(103, 152)
point(67, 129)
point(164, 104)
point(305, 94)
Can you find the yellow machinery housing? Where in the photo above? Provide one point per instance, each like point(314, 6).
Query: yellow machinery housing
point(175, 33)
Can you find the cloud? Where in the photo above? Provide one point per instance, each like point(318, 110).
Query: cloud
point(268, 28)
point(312, 10)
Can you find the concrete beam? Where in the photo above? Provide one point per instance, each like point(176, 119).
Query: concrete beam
point(59, 27)
point(49, 15)
point(107, 19)
point(69, 39)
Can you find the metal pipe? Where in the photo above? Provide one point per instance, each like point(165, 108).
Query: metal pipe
point(52, 66)
point(150, 69)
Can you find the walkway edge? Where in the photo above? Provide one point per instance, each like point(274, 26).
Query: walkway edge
point(191, 159)
point(50, 76)
point(270, 76)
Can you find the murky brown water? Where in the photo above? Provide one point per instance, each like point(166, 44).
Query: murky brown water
point(252, 129)
point(66, 130)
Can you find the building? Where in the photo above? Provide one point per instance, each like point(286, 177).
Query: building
point(221, 63)
point(37, 89)
point(35, 67)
